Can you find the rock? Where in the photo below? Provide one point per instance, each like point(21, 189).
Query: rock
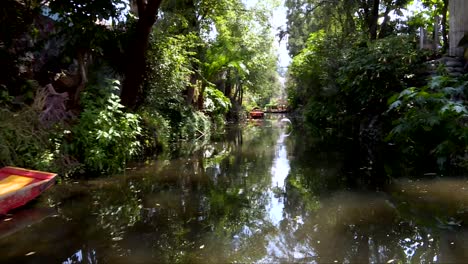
point(455, 74)
point(457, 69)
point(454, 63)
point(445, 60)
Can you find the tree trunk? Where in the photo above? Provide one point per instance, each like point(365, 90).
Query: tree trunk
point(228, 85)
point(136, 53)
point(458, 25)
point(350, 25)
point(193, 27)
point(190, 91)
point(384, 26)
point(445, 44)
point(241, 94)
point(83, 59)
point(201, 98)
point(373, 20)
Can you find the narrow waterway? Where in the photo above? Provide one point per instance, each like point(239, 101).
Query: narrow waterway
point(257, 193)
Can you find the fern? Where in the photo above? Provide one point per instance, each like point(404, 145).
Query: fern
point(433, 118)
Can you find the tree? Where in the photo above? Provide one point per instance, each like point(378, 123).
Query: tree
point(309, 16)
point(438, 8)
point(135, 57)
point(341, 18)
point(240, 59)
point(81, 34)
point(370, 11)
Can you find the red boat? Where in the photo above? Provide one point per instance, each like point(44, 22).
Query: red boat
point(19, 186)
point(256, 113)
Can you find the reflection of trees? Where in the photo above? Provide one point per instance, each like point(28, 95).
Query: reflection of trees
point(213, 200)
point(210, 206)
point(361, 228)
point(357, 228)
point(350, 227)
point(318, 167)
point(238, 197)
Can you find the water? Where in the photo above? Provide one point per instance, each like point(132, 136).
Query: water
point(258, 193)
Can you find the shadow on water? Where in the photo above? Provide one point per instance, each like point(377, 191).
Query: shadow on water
point(260, 192)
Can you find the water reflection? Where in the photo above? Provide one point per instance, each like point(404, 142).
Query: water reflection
point(254, 194)
point(279, 172)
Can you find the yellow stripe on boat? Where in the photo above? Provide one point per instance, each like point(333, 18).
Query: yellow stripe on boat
point(13, 183)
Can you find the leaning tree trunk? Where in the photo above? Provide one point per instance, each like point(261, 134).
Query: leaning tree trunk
point(458, 25)
point(136, 53)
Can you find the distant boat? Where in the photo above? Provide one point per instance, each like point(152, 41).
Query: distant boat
point(256, 113)
point(277, 109)
point(19, 186)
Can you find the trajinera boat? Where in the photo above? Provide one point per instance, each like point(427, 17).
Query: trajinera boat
point(19, 186)
point(256, 113)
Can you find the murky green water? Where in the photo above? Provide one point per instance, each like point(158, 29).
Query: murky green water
point(258, 193)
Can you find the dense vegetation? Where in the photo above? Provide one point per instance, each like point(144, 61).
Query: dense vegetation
point(89, 85)
point(358, 73)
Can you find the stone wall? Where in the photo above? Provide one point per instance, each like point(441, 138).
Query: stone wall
point(458, 25)
point(454, 67)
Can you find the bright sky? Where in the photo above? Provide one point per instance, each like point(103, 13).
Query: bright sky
point(278, 20)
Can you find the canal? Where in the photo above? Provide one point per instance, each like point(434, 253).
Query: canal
point(257, 193)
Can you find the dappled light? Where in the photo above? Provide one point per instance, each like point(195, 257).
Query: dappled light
point(235, 131)
point(245, 197)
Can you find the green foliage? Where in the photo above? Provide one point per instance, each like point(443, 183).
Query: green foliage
point(168, 74)
point(250, 102)
point(216, 103)
point(432, 120)
point(18, 35)
point(312, 83)
point(23, 141)
point(77, 22)
point(5, 97)
point(425, 18)
point(338, 84)
point(170, 68)
point(16, 19)
point(354, 60)
point(156, 131)
point(307, 17)
point(194, 125)
point(78, 12)
point(105, 136)
point(376, 71)
point(240, 58)
point(81, 36)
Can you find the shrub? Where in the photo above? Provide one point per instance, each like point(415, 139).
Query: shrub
point(376, 71)
point(342, 87)
point(432, 121)
point(156, 131)
point(216, 103)
point(23, 141)
point(194, 125)
point(105, 136)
